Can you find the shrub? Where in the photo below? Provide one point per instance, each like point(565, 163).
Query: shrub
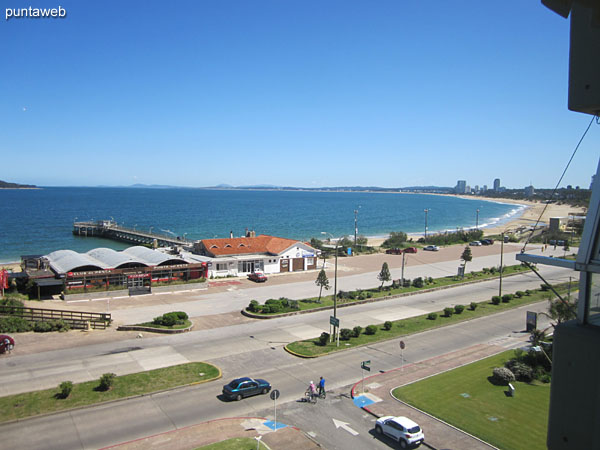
point(181, 315)
point(406, 282)
point(493, 270)
point(12, 302)
point(496, 299)
point(65, 389)
point(502, 376)
point(418, 282)
point(273, 308)
point(432, 316)
point(324, 338)
point(430, 280)
point(273, 301)
point(528, 292)
point(106, 381)
point(521, 371)
point(14, 325)
point(345, 334)
point(507, 298)
point(545, 287)
point(42, 327)
point(285, 303)
point(448, 311)
point(519, 294)
point(473, 306)
point(356, 331)
point(387, 325)
point(371, 329)
point(459, 309)
point(254, 306)
point(369, 294)
point(294, 305)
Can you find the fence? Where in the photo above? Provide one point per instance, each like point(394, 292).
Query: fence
point(75, 319)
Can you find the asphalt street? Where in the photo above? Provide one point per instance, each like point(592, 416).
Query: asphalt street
point(112, 423)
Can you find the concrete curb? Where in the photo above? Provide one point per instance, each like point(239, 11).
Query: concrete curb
point(372, 300)
point(107, 402)
point(154, 330)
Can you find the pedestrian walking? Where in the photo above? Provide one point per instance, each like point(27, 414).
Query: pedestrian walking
point(322, 387)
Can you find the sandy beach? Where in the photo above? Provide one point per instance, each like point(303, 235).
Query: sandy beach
point(528, 218)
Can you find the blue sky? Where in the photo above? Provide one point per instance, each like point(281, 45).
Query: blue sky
point(284, 92)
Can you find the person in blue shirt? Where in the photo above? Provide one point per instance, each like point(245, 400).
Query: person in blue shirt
point(322, 387)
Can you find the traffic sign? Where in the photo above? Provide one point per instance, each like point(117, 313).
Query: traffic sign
point(365, 365)
point(274, 394)
point(402, 345)
point(334, 321)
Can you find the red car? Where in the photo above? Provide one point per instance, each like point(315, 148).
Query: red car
point(410, 250)
point(394, 251)
point(6, 343)
point(259, 277)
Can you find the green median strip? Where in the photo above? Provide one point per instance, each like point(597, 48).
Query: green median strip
point(28, 404)
point(465, 398)
point(313, 347)
point(275, 307)
point(235, 444)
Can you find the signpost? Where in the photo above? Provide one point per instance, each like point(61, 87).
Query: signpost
point(335, 322)
point(531, 323)
point(402, 347)
point(274, 396)
point(364, 366)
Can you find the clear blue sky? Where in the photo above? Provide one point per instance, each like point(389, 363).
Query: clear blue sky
point(284, 92)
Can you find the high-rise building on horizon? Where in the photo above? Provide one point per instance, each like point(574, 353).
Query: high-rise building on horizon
point(461, 187)
point(497, 184)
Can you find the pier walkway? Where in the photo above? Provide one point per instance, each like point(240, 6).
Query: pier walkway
point(111, 230)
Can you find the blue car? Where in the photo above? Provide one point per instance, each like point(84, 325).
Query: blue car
point(245, 387)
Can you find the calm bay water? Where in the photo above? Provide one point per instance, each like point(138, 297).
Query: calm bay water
point(39, 221)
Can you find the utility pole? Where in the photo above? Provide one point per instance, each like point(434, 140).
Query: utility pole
point(355, 225)
point(426, 212)
point(403, 255)
point(477, 220)
point(501, 262)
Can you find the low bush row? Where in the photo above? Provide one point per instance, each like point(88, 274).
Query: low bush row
point(171, 319)
point(20, 325)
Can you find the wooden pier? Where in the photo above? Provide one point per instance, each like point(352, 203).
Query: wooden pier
point(111, 230)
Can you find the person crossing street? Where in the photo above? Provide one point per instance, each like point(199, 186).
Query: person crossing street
point(322, 387)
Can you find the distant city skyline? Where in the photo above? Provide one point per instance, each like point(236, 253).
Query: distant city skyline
point(295, 93)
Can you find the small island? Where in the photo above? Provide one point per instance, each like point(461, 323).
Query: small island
point(7, 185)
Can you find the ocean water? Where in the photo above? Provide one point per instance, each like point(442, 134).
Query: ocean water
point(39, 221)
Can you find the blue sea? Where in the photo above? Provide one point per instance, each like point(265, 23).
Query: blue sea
point(39, 221)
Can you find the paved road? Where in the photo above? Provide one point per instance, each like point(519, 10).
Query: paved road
point(122, 421)
point(49, 369)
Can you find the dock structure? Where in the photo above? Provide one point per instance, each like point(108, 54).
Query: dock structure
point(111, 230)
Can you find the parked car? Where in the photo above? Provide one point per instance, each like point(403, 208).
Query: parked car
point(431, 248)
point(410, 250)
point(561, 243)
point(402, 429)
point(259, 277)
point(487, 241)
point(393, 251)
point(6, 343)
point(245, 387)
point(475, 244)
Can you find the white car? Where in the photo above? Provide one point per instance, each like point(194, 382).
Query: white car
point(475, 243)
point(402, 429)
point(431, 248)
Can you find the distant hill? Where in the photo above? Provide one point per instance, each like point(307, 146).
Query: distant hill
point(6, 185)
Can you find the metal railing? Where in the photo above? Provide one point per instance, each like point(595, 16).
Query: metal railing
point(75, 319)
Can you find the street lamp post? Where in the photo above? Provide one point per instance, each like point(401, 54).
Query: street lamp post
point(477, 220)
point(337, 243)
point(355, 225)
point(426, 212)
point(501, 262)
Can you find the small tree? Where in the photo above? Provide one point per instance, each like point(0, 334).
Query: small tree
point(324, 338)
point(65, 389)
point(106, 381)
point(466, 256)
point(387, 325)
point(323, 282)
point(384, 275)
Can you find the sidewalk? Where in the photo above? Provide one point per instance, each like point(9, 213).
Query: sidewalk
point(288, 438)
point(378, 400)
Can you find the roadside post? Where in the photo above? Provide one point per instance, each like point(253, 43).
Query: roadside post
point(364, 366)
point(402, 347)
point(274, 397)
point(258, 438)
point(335, 322)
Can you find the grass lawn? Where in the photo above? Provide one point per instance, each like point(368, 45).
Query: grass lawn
point(466, 399)
point(234, 444)
point(83, 394)
point(363, 294)
point(311, 347)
